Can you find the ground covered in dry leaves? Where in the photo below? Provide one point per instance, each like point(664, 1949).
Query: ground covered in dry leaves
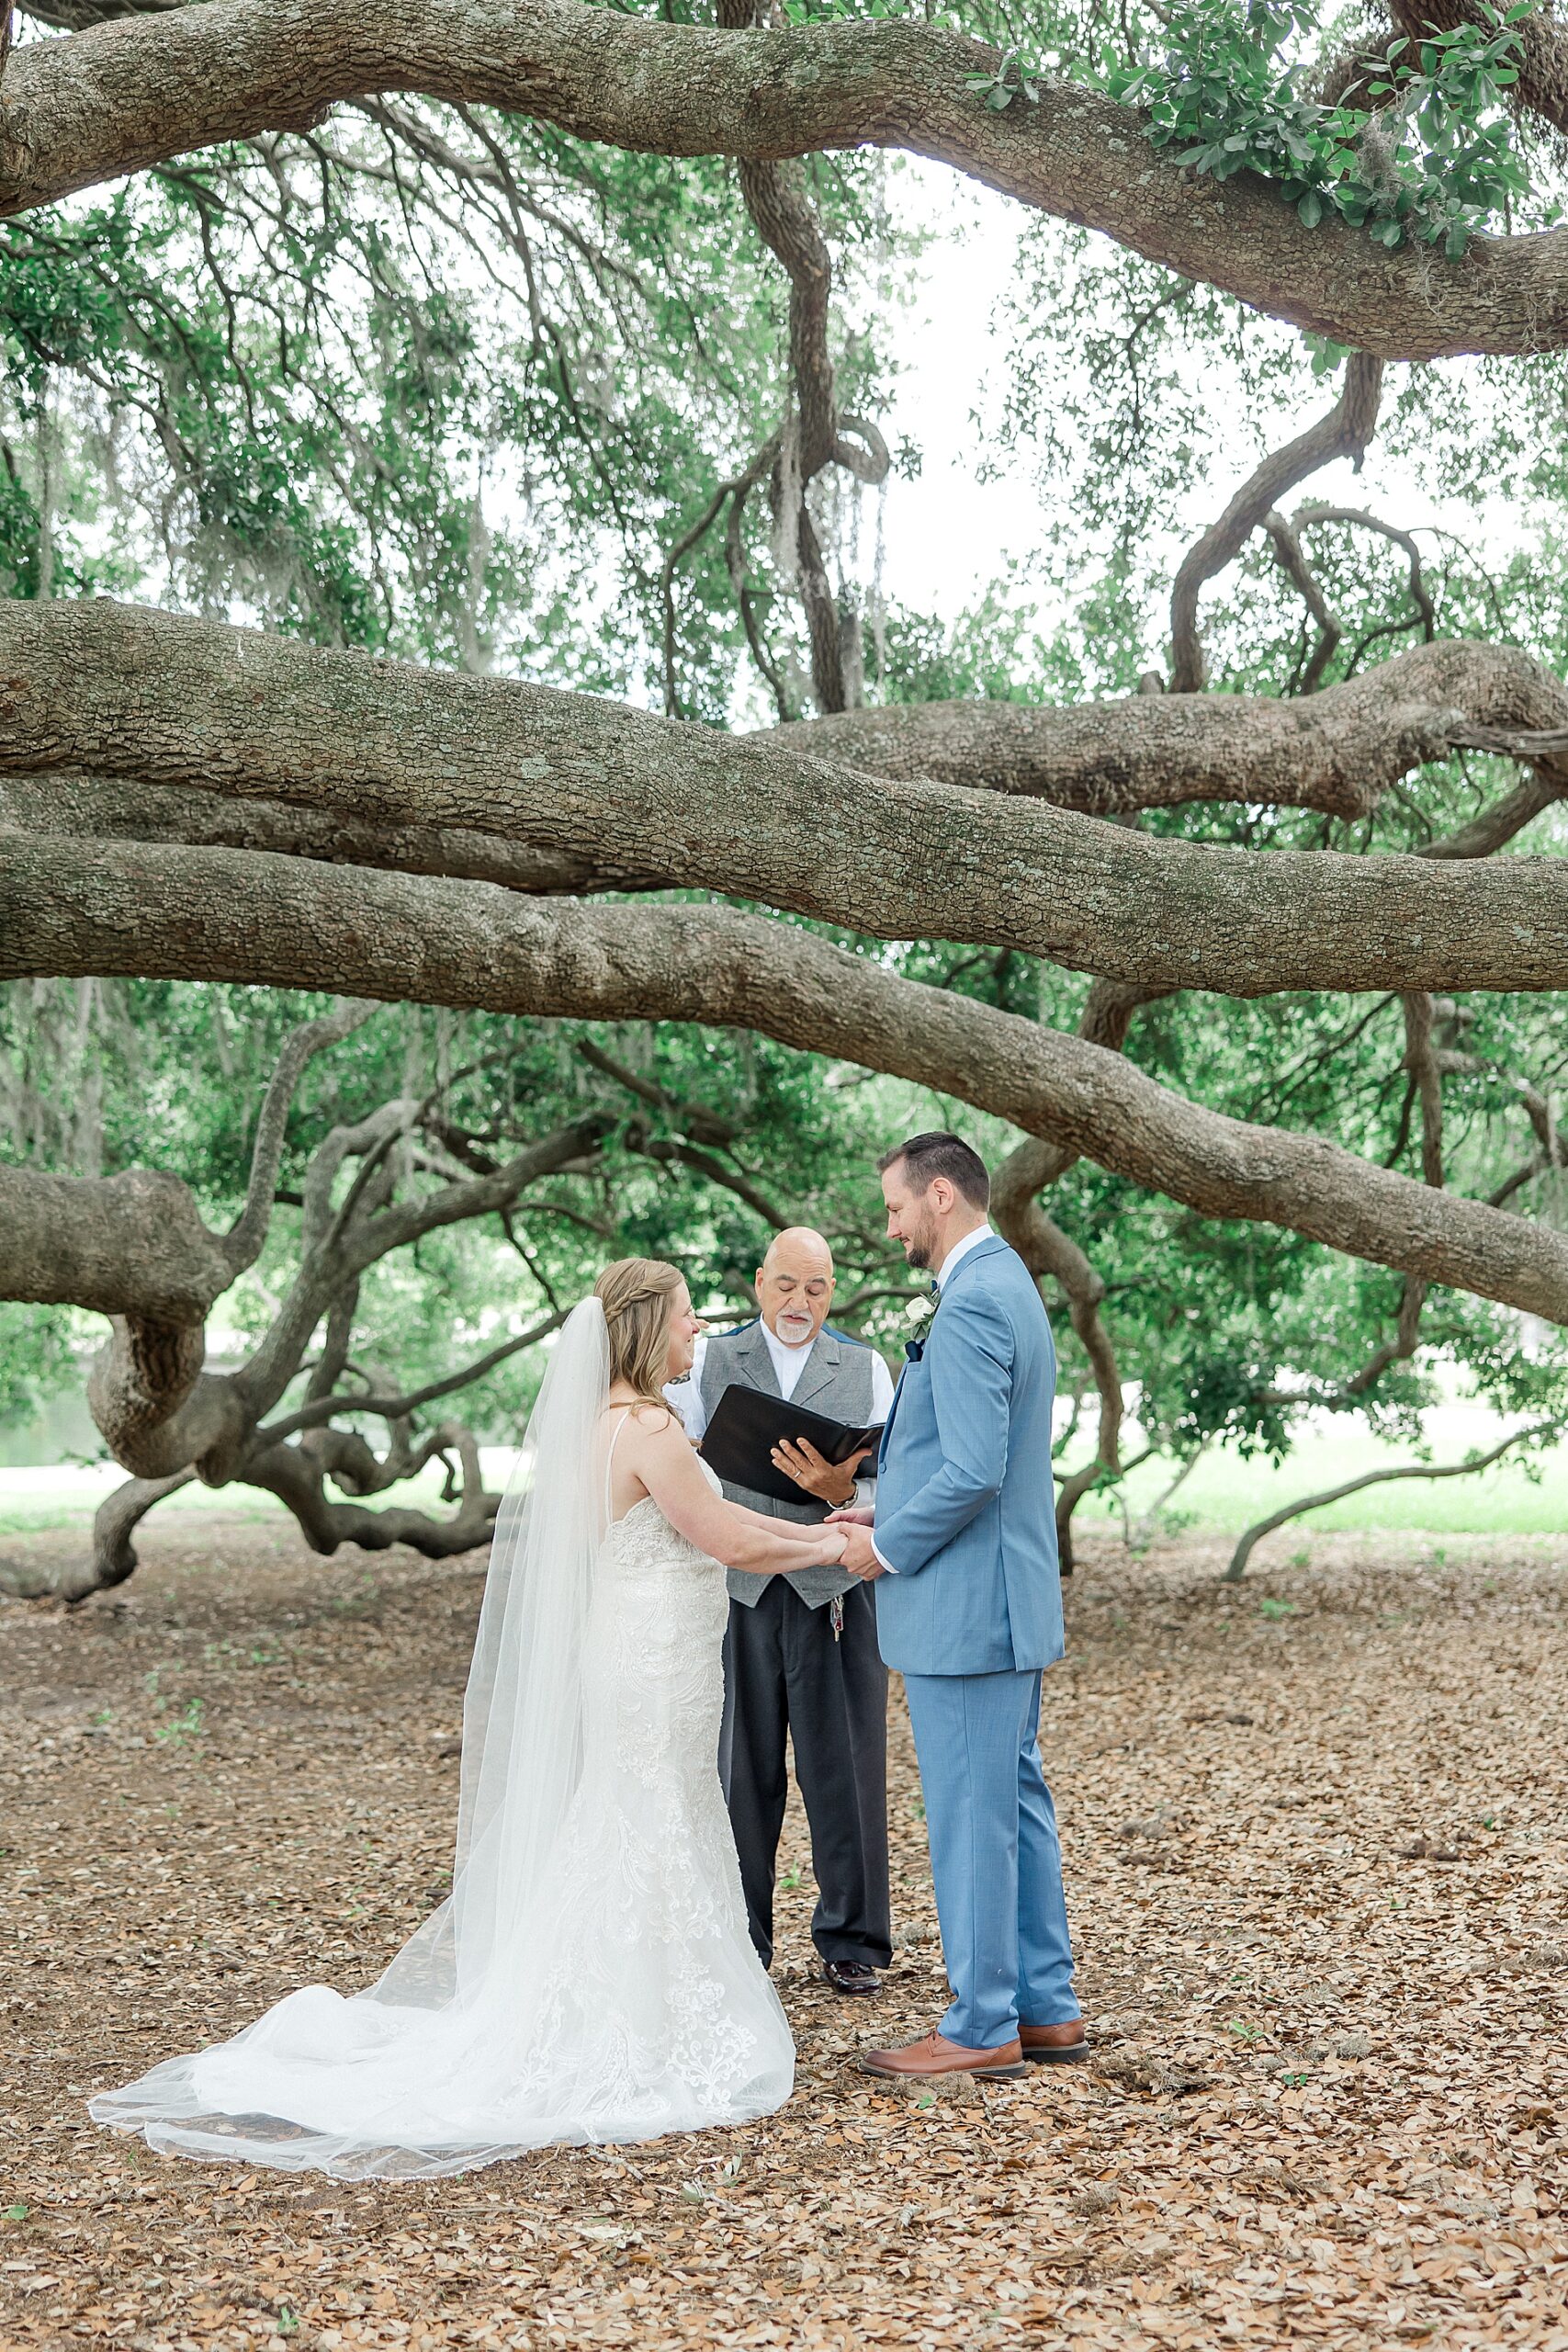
point(1316, 1845)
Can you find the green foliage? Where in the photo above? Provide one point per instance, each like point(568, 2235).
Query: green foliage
point(435, 385)
point(36, 1359)
point(325, 382)
point(1011, 81)
point(1433, 162)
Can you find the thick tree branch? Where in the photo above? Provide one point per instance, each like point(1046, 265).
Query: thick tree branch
point(210, 914)
point(120, 96)
point(1338, 752)
point(118, 808)
point(196, 706)
point(132, 1244)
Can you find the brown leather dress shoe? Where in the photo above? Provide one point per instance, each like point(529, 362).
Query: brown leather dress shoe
point(936, 2055)
point(1054, 2045)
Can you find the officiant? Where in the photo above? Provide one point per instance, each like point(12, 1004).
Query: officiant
point(800, 1657)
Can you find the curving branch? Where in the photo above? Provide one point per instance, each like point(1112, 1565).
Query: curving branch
point(1339, 753)
point(1399, 1349)
point(323, 1409)
point(1345, 432)
point(168, 1421)
point(119, 96)
point(1291, 559)
point(1252, 1536)
point(700, 1127)
point(105, 689)
point(733, 493)
point(299, 1480)
point(247, 1236)
point(65, 911)
point(1047, 1252)
point(777, 197)
point(1308, 518)
point(1421, 1061)
point(1507, 816)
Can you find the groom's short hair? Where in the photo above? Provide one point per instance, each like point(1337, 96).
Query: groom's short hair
point(937, 1153)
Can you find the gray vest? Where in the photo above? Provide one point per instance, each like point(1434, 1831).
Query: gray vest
point(836, 1381)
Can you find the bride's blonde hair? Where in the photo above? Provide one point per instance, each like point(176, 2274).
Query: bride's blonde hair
point(635, 1293)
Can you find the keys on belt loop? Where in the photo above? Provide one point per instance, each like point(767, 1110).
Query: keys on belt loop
point(835, 1611)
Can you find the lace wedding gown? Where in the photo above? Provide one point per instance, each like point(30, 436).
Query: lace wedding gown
point(624, 2000)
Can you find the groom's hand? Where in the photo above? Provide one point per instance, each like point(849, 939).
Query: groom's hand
point(859, 1557)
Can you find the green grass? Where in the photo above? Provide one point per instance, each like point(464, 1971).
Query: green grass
point(1223, 1495)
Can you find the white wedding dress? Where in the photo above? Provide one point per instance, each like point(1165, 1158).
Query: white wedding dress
point(591, 1977)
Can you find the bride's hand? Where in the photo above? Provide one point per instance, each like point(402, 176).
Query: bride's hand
point(833, 1540)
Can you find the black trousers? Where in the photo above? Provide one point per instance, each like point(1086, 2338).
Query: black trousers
point(785, 1673)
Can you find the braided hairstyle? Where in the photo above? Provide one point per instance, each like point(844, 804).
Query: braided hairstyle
point(636, 1295)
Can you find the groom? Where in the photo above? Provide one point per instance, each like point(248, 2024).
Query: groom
point(969, 1608)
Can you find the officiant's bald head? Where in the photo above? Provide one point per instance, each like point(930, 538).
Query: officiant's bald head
point(794, 1284)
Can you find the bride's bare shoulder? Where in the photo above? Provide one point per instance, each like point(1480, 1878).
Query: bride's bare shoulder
point(649, 1425)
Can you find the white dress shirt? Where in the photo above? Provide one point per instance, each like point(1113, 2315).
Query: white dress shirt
point(961, 1249)
point(686, 1396)
point(959, 1252)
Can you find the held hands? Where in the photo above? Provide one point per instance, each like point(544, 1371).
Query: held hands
point(858, 1557)
point(831, 1482)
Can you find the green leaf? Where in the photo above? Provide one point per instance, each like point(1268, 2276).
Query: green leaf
point(1310, 208)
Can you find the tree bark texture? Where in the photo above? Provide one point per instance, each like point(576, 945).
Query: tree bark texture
point(119, 97)
point(192, 706)
point(70, 909)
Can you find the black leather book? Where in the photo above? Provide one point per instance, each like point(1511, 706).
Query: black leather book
point(747, 1425)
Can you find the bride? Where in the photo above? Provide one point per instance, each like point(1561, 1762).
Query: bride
point(590, 1977)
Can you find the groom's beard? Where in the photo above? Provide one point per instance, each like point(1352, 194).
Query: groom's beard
point(919, 1247)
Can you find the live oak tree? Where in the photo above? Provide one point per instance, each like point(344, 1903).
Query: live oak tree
point(383, 1255)
point(1246, 932)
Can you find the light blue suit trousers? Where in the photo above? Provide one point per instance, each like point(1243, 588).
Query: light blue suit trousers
point(996, 1857)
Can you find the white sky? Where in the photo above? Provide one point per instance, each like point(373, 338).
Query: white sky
point(947, 534)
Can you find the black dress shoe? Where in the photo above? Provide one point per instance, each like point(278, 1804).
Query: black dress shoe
point(850, 1976)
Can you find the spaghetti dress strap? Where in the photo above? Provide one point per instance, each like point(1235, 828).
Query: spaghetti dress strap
point(609, 1462)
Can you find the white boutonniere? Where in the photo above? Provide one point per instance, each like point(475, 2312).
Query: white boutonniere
point(919, 1310)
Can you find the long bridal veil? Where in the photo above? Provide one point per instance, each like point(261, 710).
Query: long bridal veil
point(402, 2080)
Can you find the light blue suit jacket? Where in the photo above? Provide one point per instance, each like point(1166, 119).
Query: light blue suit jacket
point(965, 1504)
